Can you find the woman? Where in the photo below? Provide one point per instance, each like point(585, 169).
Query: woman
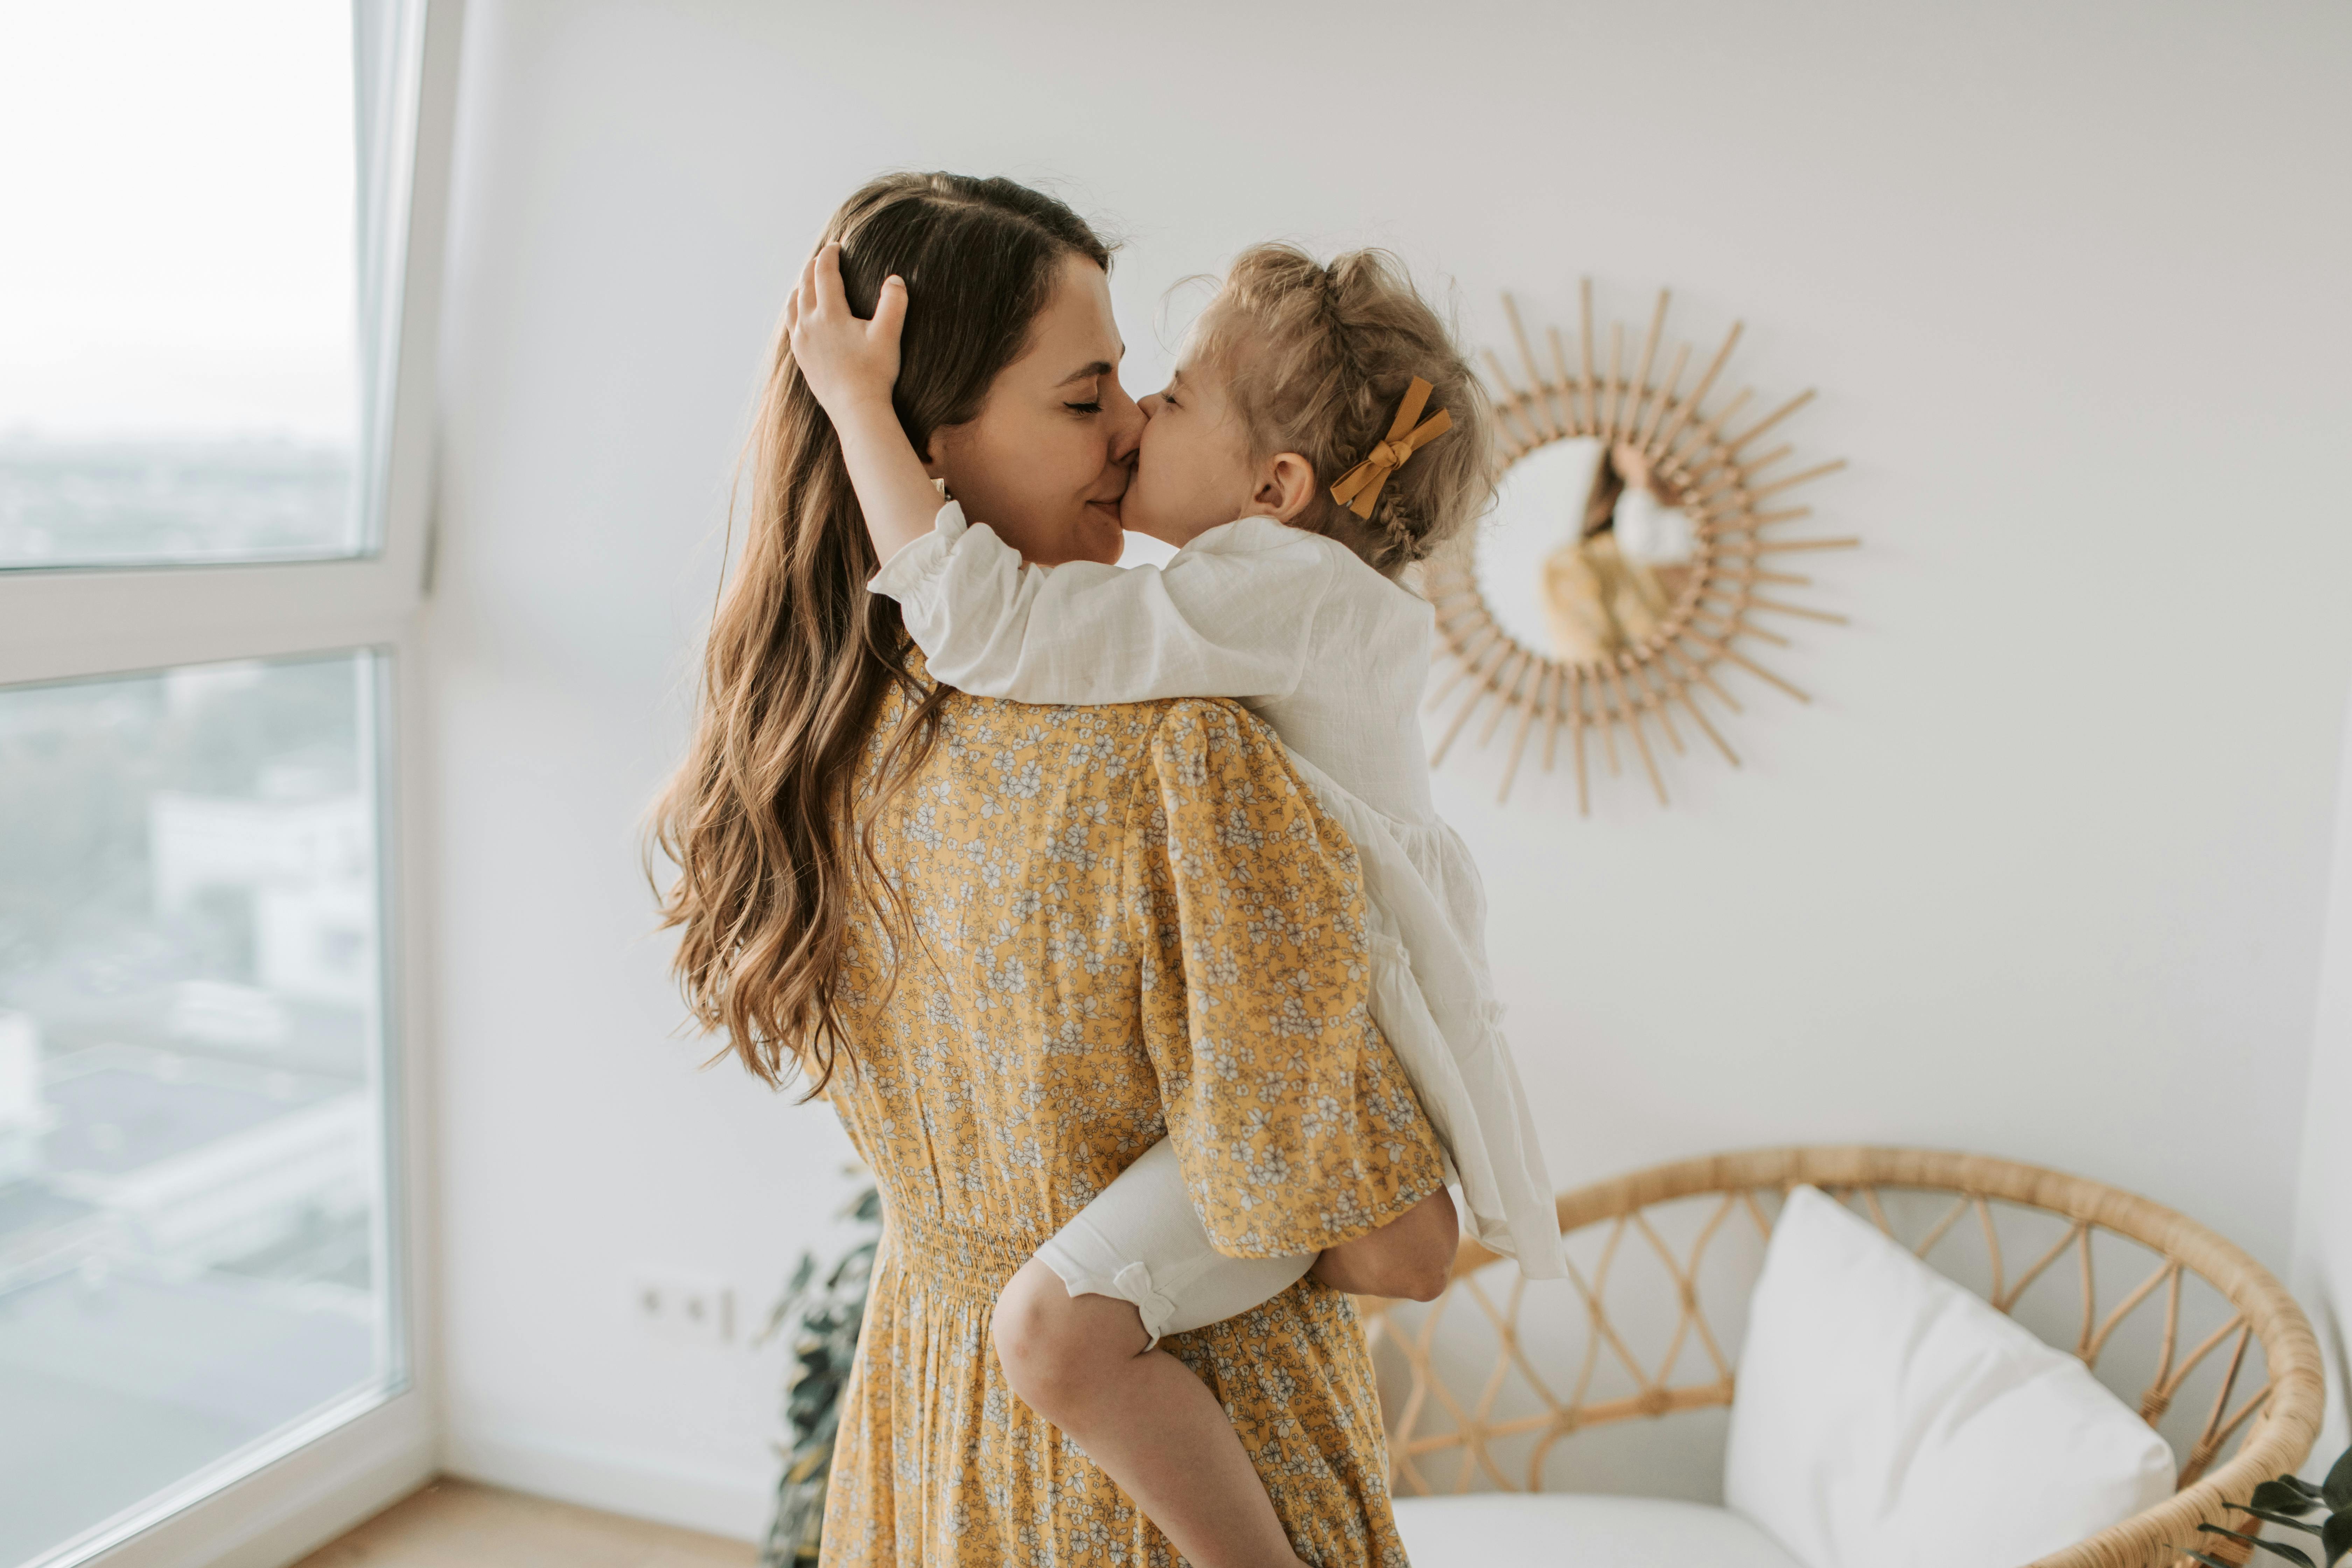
point(1609, 588)
point(1018, 946)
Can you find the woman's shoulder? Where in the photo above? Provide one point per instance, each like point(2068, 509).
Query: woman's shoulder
point(1128, 740)
point(1224, 719)
point(1098, 734)
point(1203, 750)
point(1051, 768)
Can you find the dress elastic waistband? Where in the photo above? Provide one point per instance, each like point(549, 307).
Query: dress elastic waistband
point(952, 1256)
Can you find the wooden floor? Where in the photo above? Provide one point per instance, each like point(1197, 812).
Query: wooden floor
point(458, 1524)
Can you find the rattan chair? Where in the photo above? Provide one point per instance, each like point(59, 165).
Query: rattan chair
point(2232, 1354)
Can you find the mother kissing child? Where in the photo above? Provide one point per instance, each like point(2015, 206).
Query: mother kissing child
point(1147, 1026)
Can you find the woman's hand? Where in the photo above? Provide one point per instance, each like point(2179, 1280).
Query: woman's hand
point(846, 360)
point(1409, 1258)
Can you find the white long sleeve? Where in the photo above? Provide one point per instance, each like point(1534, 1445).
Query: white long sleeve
point(1232, 615)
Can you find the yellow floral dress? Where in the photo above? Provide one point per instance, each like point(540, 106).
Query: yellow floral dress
point(1125, 923)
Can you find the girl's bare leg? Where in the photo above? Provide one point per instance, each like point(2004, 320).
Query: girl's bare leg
point(1154, 1427)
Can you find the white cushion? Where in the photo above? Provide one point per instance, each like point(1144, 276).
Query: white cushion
point(1887, 1417)
point(1507, 1530)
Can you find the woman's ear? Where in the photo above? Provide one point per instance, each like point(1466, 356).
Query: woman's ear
point(935, 454)
point(1286, 487)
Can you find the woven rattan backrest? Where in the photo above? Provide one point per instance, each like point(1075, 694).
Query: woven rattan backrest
point(2223, 1352)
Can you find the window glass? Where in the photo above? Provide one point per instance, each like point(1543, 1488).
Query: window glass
point(179, 373)
point(192, 1222)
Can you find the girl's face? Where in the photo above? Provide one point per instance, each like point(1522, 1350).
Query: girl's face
point(1048, 458)
point(1192, 469)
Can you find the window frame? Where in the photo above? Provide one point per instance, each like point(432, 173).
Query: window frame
point(58, 622)
point(267, 1505)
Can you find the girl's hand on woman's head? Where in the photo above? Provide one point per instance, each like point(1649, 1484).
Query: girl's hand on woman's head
point(845, 359)
point(1634, 467)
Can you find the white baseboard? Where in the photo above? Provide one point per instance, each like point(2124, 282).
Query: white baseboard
point(618, 1480)
point(285, 1509)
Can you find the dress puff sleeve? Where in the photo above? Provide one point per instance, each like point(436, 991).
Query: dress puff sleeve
point(1293, 1125)
point(1231, 616)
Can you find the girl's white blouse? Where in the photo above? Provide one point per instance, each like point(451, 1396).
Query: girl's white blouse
point(1334, 657)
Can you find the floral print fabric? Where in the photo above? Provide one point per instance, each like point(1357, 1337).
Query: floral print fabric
point(1124, 923)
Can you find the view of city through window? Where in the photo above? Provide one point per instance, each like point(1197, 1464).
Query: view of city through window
point(191, 1202)
point(179, 366)
point(194, 1229)
point(127, 501)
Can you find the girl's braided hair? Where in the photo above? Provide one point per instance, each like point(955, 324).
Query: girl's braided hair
point(1317, 358)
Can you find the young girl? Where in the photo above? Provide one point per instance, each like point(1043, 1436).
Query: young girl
point(1320, 434)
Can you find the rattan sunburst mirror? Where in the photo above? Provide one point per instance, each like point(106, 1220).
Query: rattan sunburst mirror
point(1612, 619)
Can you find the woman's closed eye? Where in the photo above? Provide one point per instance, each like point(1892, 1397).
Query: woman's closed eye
point(1093, 408)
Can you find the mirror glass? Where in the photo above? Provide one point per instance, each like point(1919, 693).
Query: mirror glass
point(1575, 561)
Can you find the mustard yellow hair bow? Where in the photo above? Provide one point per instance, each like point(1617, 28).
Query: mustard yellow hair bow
point(1361, 486)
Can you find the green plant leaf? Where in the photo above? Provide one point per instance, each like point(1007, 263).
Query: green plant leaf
point(2299, 1484)
point(821, 1314)
point(2336, 1539)
point(2338, 1488)
point(2286, 1498)
point(2273, 1516)
point(2295, 1555)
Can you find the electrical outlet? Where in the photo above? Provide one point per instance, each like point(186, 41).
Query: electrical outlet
point(682, 1307)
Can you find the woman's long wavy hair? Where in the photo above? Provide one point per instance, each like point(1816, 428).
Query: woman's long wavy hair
point(771, 841)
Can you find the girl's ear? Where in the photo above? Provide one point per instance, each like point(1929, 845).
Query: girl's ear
point(1286, 487)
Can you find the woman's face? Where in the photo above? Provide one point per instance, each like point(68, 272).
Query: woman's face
point(1047, 458)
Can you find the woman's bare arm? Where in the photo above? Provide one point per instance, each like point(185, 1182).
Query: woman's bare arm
point(1407, 1258)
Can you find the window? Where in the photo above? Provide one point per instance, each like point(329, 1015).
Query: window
point(182, 373)
point(215, 394)
point(192, 1203)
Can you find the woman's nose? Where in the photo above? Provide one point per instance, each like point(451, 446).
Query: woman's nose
point(1126, 422)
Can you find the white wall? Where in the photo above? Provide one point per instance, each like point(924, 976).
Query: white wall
point(2039, 872)
point(2322, 1272)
